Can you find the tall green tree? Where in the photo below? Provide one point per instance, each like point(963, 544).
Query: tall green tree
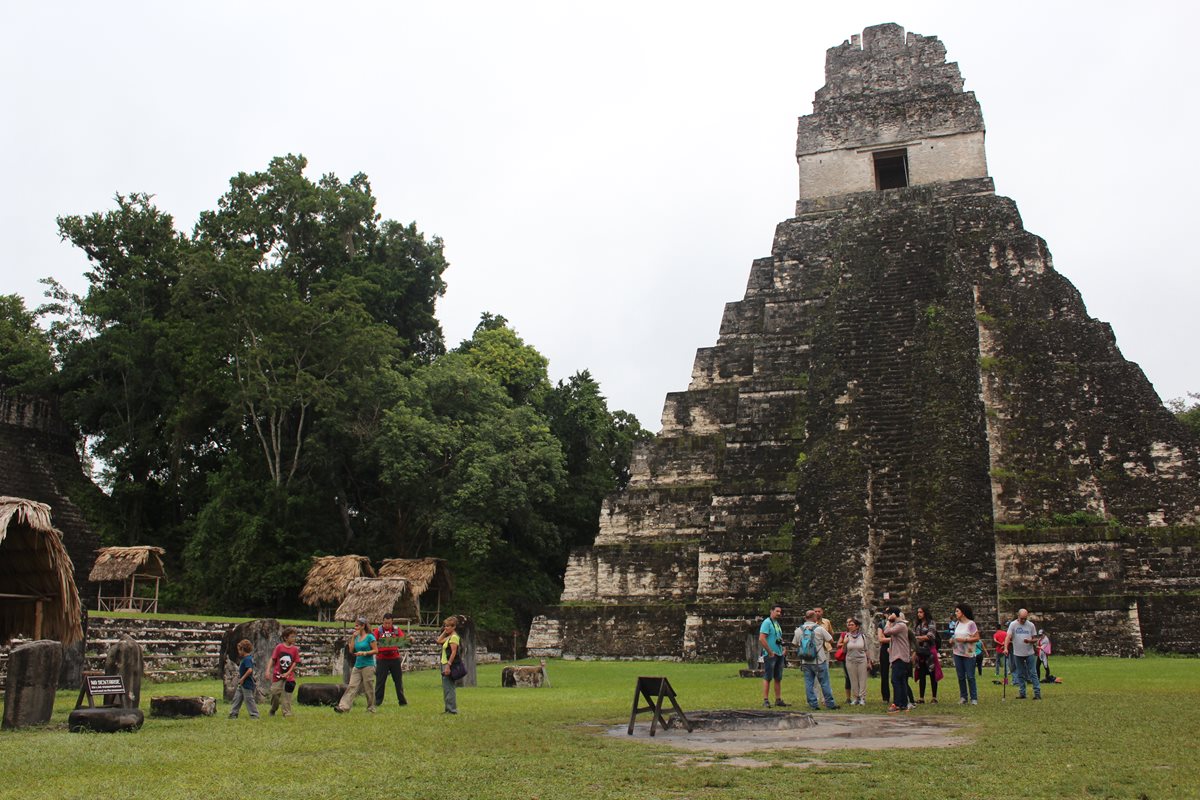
point(119, 377)
point(26, 363)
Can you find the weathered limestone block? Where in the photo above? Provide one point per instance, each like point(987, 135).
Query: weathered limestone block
point(529, 677)
point(73, 664)
point(545, 637)
point(263, 634)
point(33, 670)
point(125, 659)
point(177, 706)
point(320, 694)
point(105, 719)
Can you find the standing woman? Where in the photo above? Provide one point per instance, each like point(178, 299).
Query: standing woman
point(925, 631)
point(450, 643)
point(363, 647)
point(966, 634)
point(858, 661)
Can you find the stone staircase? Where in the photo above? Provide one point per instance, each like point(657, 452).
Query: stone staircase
point(184, 650)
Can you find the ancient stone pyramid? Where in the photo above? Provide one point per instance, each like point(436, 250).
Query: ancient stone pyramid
point(909, 405)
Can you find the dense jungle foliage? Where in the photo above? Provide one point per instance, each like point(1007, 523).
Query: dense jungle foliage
point(275, 385)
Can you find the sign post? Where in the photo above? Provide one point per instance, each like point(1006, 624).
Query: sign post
point(650, 689)
point(97, 684)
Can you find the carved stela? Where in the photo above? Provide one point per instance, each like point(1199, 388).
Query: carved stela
point(908, 403)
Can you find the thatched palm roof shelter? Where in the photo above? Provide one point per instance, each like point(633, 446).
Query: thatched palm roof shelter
point(325, 586)
point(428, 578)
point(38, 597)
point(374, 597)
point(127, 564)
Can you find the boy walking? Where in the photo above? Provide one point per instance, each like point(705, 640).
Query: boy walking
point(244, 693)
point(284, 660)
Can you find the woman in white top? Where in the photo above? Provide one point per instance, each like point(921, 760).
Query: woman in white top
point(966, 634)
point(858, 661)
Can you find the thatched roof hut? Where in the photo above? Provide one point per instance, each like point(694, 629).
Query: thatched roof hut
point(127, 564)
point(428, 577)
point(328, 577)
point(374, 597)
point(123, 563)
point(38, 597)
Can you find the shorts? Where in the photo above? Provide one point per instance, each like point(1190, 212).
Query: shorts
point(773, 667)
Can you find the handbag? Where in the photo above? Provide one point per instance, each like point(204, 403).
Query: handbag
point(840, 654)
point(458, 670)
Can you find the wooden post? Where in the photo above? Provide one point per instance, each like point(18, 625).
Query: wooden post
point(132, 581)
point(37, 619)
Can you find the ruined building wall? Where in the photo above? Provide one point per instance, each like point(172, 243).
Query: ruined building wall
point(38, 462)
point(904, 408)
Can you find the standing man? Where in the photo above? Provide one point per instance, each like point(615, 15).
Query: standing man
point(900, 654)
point(770, 639)
point(814, 659)
point(828, 626)
point(389, 662)
point(1022, 642)
point(884, 660)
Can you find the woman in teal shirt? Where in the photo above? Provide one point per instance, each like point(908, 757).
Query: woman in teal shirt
point(363, 647)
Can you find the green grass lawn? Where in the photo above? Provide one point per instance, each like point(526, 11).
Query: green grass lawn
point(1116, 728)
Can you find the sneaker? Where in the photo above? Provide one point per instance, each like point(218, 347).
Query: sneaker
point(910, 707)
point(833, 707)
point(782, 704)
point(933, 701)
point(921, 701)
point(766, 703)
point(370, 711)
point(894, 709)
point(962, 701)
point(974, 702)
point(1020, 697)
point(1037, 697)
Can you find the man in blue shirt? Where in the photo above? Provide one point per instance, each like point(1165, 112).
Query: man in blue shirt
point(770, 638)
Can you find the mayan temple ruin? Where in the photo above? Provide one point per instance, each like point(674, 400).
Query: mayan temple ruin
point(909, 403)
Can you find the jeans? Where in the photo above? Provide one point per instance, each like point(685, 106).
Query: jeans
point(449, 695)
point(1026, 672)
point(965, 667)
point(885, 690)
point(814, 673)
point(384, 668)
point(243, 695)
point(900, 691)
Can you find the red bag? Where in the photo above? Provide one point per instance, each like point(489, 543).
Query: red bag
point(840, 654)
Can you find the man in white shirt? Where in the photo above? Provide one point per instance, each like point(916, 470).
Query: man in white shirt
point(1022, 642)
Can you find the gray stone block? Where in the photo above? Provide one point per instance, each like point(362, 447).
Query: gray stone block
point(105, 719)
point(33, 670)
point(176, 706)
point(320, 694)
point(125, 659)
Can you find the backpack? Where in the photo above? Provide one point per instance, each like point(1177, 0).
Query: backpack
point(808, 644)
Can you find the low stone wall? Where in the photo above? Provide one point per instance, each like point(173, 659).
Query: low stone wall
point(181, 650)
point(1104, 590)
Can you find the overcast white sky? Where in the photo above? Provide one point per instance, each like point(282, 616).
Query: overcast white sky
point(602, 174)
